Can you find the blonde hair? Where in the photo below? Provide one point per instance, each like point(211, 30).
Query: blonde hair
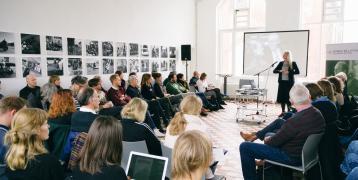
point(135, 109)
point(289, 57)
point(190, 105)
point(23, 139)
point(192, 151)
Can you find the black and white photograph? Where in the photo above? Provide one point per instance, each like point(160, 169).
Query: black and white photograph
point(155, 66)
point(92, 66)
point(144, 65)
point(133, 65)
point(7, 43)
point(172, 65)
point(121, 49)
point(154, 51)
point(75, 66)
point(31, 65)
point(54, 45)
point(30, 44)
point(108, 66)
point(133, 49)
point(122, 65)
point(144, 51)
point(172, 52)
point(164, 65)
point(107, 48)
point(54, 66)
point(74, 47)
point(91, 48)
point(163, 51)
point(7, 67)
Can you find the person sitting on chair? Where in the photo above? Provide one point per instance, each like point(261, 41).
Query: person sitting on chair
point(32, 92)
point(116, 93)
point(203, 86)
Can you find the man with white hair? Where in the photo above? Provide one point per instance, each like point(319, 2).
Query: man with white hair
point(32, 92)
point(286, 145)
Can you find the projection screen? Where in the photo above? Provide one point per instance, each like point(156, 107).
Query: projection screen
point(261, 49)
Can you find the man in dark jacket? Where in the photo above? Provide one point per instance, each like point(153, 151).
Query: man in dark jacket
point(32, 92)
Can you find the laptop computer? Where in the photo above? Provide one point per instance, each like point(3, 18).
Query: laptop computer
point(145, 166)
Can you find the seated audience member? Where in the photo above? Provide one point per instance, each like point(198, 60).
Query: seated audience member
point(194, 79)
point(182, 82)
point(60, 113)
point(96, 84)
point(350, 162)
point(191, 157)
point(27, 158)
point(77, 83)
point(123, 82)
point(204, 87)
point(168, 79)
point(134, 129)
point(286, 145)
point(100, 82)
point(8, 107)
point(32, 92)
point(346, 108)
point(116, 93)
point(328, 90)
point(100, 157)
point(173, 87)
point(338, 90)
point(49, 89)
point(159, 89)
point(133, 87)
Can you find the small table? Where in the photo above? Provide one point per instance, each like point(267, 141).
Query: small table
point(225, 76)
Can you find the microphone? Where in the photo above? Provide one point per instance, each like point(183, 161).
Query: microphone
point(274, 63)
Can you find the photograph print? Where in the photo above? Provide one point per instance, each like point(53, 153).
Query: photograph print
point(144, 51)
point(155, 66)
point(75, 66)
point(108, 66)
point(172, 52)
point(92, 66)
point(30, 44)
point(54, 45)
point(7, 43)
point(122, 65)
point(54, 66)
point(107, 48)
point(350, 67)
point(31, 65)
point(154, 51)
point(133, 65)
point(144, 65)
point(172, 65)
point(74, 47)
point(133, 49)
point(91, 48)
point(121, 49)
point(7, 67)
point(163, 51)
point(164, 65)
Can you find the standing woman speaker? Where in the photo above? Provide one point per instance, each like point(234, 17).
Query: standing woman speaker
point(286, 70)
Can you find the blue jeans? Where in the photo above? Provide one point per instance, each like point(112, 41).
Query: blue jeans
point(272, 127)
point(353, 175)
point(201, 95)
point(351, 158)
point(250, 151)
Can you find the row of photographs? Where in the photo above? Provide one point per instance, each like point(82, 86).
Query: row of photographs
point(55, 66)
point(30, 44)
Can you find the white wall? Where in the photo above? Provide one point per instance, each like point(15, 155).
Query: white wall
point(152, 22)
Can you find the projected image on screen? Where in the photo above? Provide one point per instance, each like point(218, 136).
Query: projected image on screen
point(261, 49)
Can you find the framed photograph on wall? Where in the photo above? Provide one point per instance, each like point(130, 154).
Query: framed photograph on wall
point(122, 65)
point(133, 65)
point(54, 66)
point(74, 47)
point(7, 67)
point(75, 66)
point(121, 49)
point(108, 66)
point(31, 65)
point(7, 43)
point(30, 44)
point(164, 65)
point(154, 51)
point(133, 49)
point(91, 48)
point(107, 48)
point(92, 66)
point(144, 51)
point(163, 52)
point(54, 45)
point(144, 65)
point(172, 65)
point(172, 52)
